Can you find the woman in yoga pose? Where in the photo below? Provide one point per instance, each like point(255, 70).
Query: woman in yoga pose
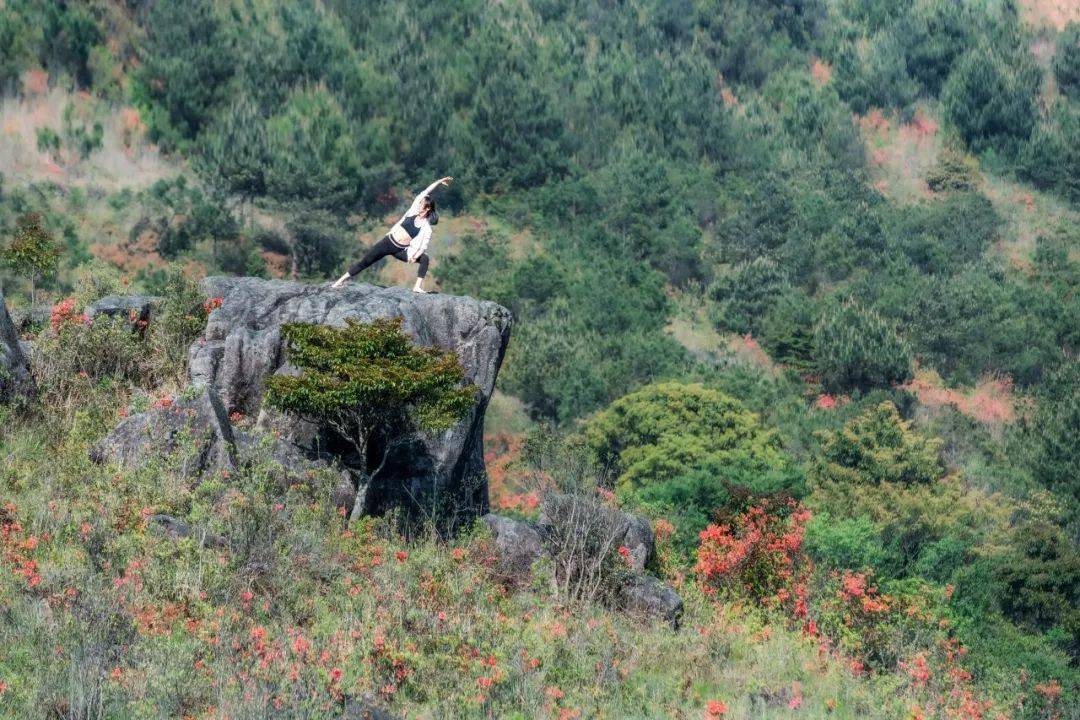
point(407, 240)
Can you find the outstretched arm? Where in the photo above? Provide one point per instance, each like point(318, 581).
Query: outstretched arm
point(415, 207)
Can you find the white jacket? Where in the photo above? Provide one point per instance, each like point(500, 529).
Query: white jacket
point(417, 245)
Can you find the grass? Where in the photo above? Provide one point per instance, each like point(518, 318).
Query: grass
point(103, 612)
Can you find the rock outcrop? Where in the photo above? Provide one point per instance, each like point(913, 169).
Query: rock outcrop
point(15, 378)
point(242, 346)
point(518, 545)
point(577, 529)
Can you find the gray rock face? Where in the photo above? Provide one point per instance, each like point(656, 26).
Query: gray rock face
point(15, 378)
point(242, 346)
point(647, 596)
point(518, 545)
point(196, 429)
point(31, 319)
point(135, 307)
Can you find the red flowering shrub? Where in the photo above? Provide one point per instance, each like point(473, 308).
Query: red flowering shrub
point(883, 631)
point(64, 314)
point(760, 553)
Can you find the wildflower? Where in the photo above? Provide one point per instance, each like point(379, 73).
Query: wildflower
point(625, 552)
point(401, 556)
point(212, 304)
point(796, 696)
point(715, 709)
point(1049, 690)
point(663, 529)
point(442, 616)
point(607, 495)
point(335, 675)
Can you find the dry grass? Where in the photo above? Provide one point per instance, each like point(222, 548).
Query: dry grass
point(901, 154)
point(1027, 213)
point(1054, 14)
point(991, 402)
point(126, 160)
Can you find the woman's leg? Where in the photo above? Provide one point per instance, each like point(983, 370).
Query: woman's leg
point(423, 262)
point(376, 253)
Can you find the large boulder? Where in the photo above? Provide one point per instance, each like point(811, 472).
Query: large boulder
point(647, 597)
point(576, 529)
point(242, 346)
point(15, 378)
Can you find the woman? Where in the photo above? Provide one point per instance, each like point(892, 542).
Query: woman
point(407, 240)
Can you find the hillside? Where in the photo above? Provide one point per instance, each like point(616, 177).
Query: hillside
point(793, 283)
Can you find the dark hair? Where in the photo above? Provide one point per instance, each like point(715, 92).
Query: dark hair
point(432, 216)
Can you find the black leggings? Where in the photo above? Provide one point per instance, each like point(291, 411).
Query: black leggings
point(385, 247)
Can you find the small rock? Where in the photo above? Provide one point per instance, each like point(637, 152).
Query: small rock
point(177, 529)
point(31, 319)
point(365, 709)
point(135, 307)
point(632, 531)
point(156, 433)
point(647, 596)
point(518, 544)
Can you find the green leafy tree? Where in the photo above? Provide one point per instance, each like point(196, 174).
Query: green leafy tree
point(33, 251)
point(187, 68)
point(369, 383)
point(682, 448)
point(1052, 432)
point(878, 446)
point(313, 154)
point(747, 294)
point(855, 348)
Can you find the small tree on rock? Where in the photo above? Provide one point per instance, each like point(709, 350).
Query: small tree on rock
point(371, 384)
point(32, 252)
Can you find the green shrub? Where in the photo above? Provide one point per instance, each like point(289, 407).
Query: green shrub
point(371, 385)
point(991, 98)
point(32, 251)
point(682, 450)
point(855, 349)
point(1051, 159)
point(746, 295)
point(1051, 433)
point(844, 544)
point(878, 446)
point(954, 171)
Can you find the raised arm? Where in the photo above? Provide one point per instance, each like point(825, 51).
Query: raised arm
point(415, 207)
